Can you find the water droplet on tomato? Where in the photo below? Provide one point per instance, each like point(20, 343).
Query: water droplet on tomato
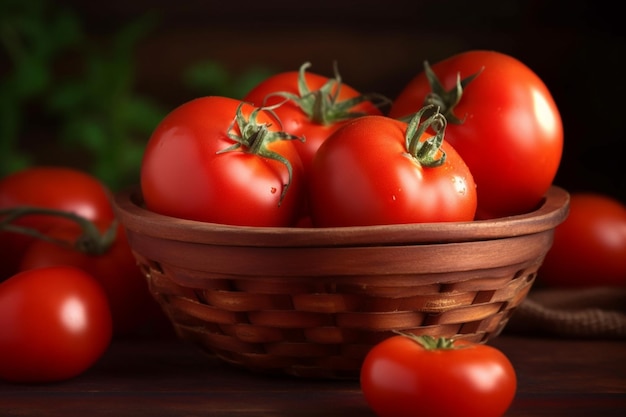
point(460, 185)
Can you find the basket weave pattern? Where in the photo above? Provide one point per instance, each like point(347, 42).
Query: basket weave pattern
point(312, 303)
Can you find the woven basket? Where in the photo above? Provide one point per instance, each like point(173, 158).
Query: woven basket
point(311, 302)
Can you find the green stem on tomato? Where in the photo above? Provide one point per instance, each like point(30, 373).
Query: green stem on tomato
point(446, 100)
point(429, 342)
point(254, 137)
point(90, 241)
point(427, 152)
point(323, 106)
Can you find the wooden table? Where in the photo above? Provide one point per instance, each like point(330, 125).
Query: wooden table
point(171, 378)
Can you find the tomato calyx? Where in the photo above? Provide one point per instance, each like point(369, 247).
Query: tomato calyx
point(446, 100)
point(322, 105)
point(90, 241)
point(254, 137)
point(427, 152)
point(429, 342)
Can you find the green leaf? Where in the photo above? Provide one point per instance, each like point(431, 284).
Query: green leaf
point(31, 77)
point(13, 162)
point(86, 133)
point(142, 115)
point(248, 80)
point(210, 77)
point(66, 97)
point(125, 41)
point(66, 30)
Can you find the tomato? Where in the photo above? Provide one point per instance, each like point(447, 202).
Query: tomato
point(60, 188)
point(111, 262)
point(589, 247)
point(313, 106)
point(220, 160)
point(409, 376)
point(55, 324)
point(378, 170)
point(503, 121)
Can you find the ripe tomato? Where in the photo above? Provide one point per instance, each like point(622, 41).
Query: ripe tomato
point(111, 262)
point(408, 376)
point(503, 121)
point(220, 160)
point(378, 170)
point(316, 106)
point(60, 188)
point(589, 247)
point(55, 324)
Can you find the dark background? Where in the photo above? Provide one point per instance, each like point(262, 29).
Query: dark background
point(576, 47)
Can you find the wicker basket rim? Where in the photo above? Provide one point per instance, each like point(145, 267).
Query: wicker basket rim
point(129, 208)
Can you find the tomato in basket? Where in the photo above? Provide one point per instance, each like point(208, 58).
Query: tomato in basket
point(503, 121)
point(377, 170)
point(220, 160)
point(313, 106)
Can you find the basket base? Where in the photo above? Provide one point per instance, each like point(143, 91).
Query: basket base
point(327, 340)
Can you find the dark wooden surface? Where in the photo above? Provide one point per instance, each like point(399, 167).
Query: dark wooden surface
point(171, 378)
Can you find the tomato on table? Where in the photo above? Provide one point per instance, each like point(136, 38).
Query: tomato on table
point(503, 121)
point(409, 376)
point(589, 247)
point(312, 106)
point(377, 170)
point(220, 160)
point(106, 255)
point(55, 323)
point(61, 188)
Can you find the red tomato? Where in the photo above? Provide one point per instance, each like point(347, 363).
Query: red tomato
point(589, 247)
point(366, 174)
point(60, 188)
point(133, 308)
point(405, 376)
point(55, 324)
point(504, 124)
point(316, 106)
point(201, 165)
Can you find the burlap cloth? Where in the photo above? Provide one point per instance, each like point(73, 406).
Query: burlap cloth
point(594, 313)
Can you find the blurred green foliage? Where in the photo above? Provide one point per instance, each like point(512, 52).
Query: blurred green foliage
point(211, 77)
point(31, 37)
point(93, 107)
